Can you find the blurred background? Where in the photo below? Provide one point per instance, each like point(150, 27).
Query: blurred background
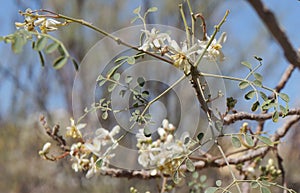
point(27, 90)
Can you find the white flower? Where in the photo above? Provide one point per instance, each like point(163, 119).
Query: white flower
point(214, 51)
point(103, 137)
point(81, 163)
point(34, 20)
point(154, 40)
point(94, 147)
point(39, 21)
point(182, 56)
point(46, 148)
point(74, 130)
point(93, 168)
point(142, 139)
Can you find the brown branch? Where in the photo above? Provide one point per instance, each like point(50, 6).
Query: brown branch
point(208, 162)
point(285, 77)
point(54, 134)
point(231, 118)
point(272, 24)
point(280, 166)
point(281, 132)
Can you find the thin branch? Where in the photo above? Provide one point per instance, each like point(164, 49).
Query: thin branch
point(280, 166)
point(231, 118)
point(272, 24)
point(285, 77)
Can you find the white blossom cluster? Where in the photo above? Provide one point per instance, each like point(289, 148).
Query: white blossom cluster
point(34, 22)
point(182, 55)
point(90, 157)
point(164, 154)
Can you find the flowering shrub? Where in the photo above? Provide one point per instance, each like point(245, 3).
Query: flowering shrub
point(165, 155)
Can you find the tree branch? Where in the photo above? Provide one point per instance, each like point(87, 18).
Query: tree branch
point(278, 33)
point(231, 118)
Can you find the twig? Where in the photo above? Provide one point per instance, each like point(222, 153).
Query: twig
point(280, 166)
point(229, 167)
point(285, 77)
point(231, 118)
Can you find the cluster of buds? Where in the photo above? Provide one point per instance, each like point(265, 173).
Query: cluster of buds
point(164, 154)
point(32, 22)
point(270, 171)
point(134, 190)
point(89, 156)
point(183, 55)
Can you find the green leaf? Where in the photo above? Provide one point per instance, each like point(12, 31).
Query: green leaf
point(113, 70)
point(200, 136)
point(128, 79)
point(250, 95)
point(104, 115)
point(257, 83)
point(189, 165)
point(116, 76)
point(75, 64)
point(195, 175)
point(175, 177)
point(203, 178)
point(17, 44)
point(284, 97)
point(219, 183)
point(211, 190)
point(249, 140)
point(268, 104)
point(137, 10)
point(141, 81)
point(60, 62)
point(247, 64)
point(275, 116)
point(51, 47)
point(102, 82)
point(258, 77)
point(255, 106)
point(283, 110)
point(61, 50)
point(145, 94)
point(134, 19)
point(264, 189)
point(243, 84)
point(152, 9)
point(263, 96)
point(99, 163)
point(102, 100)
point(254, 185)
point(131, 60)
point(122, 93)
point(265, 140)
point(235, 141)
point(219, 125)
point(147, 132)
point(148, 116)
point(265, 183)
point(121, 58)
point(41, 43)
point(111, 87)
point(41, 58)
point(258, 58)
